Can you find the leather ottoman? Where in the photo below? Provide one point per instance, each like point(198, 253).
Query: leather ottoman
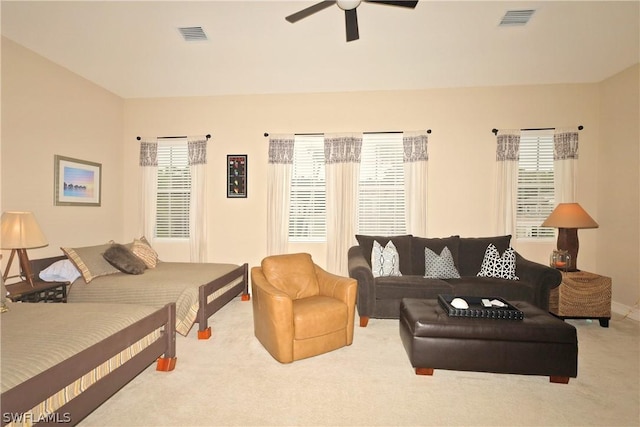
point(540, 344)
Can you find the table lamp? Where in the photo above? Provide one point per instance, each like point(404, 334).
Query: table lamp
point(20, 231)
point(568, 218)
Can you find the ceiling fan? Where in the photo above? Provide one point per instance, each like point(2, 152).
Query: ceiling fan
point(350, 16)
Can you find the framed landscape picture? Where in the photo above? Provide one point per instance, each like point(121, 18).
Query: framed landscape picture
point(236, 175)
point(77, 182)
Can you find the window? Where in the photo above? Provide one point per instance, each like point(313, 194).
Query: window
point(381, 188)
point(307, 212)
point(381, 207)
point(174, 190)
point(536, 194)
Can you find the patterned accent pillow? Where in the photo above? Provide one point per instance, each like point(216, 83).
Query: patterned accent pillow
point(439, 266)
point(143, 250)
point(385, 261)
point(494, 265)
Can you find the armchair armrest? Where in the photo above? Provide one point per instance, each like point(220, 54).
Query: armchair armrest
point(343, 289)
point(360, 270)
point(544, 277)
point(272, 316)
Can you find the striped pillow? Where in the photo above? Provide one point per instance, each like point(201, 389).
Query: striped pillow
point(143, 250)
point(90, 262)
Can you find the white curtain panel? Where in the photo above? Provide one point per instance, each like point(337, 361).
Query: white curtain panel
point(197, 151)
point(148, 190)
point(565, 164)
point(416, 162)
point(278, 192)
point(342, 172)
point(507, 156)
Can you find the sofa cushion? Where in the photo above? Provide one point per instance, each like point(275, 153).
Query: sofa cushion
point(384, 261)
point(418, 244)
point(294, 274)
point(402, 244)
point(439, 266)
point(471, 252)
point(510, 290)
point(496, 265)
point(410, 287)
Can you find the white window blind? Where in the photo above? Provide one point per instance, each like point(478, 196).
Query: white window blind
point(307, 214)
point(381, 207)
point(174, 190)
point(536, 196)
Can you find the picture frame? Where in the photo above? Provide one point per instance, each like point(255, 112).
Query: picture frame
point(236, 176)
point(77, 182)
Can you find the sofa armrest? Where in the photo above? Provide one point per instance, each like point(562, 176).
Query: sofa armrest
point(360, 270)
point(272, 316)
point(543, 277)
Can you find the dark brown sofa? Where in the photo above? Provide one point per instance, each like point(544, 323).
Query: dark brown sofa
point(380, 297)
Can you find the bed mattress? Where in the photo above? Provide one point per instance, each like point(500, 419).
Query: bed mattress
point(167, 282)
point(36, 337)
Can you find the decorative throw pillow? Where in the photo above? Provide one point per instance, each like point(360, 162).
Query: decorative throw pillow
point(124, 260)
point(143, 250)
point(385, 261)
point(439, 266)
point(494, 265)
point(60, 271)
point(90, 262)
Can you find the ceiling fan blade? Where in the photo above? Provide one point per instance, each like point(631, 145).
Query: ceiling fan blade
point(351, 21)
point(410, 4)
point(310, 10)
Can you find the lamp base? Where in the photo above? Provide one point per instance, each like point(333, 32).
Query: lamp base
point(568, 241)
point(25, 266)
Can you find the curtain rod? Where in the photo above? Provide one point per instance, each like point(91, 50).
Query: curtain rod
point(172, 137)
point(495, 131)
point(322, 133)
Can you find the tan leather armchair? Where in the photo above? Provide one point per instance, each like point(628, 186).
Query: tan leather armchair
point(299, 309)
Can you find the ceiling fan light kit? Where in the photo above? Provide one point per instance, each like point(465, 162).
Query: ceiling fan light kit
point(348, 4)
point(350, 15)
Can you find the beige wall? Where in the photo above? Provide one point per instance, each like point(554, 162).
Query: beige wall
point(619, 185)
point(47, 110)
point(462, 151)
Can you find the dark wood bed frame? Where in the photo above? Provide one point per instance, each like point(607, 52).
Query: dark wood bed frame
point(205, 310)
point(23, 397)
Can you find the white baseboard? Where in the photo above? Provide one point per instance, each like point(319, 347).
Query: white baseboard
point(624, 310)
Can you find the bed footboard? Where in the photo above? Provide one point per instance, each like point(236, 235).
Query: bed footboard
point(223, 290)
point(19, 400)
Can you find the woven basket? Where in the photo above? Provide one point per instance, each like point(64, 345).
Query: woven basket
point(581, 294)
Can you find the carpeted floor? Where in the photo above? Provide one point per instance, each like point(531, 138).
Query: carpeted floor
point(230, 380)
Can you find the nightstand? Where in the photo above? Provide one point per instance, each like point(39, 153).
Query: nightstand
point(40, 292)
point(582, 295)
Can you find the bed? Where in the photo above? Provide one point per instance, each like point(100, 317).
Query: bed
point(198, 289)
point(61, 361)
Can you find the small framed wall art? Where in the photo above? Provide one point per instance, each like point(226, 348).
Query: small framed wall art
point(236, 175)
point(76, 182)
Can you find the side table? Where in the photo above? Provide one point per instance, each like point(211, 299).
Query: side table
point(582, 295)
point(40, 292)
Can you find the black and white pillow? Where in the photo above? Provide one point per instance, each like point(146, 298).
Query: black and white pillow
point(385, 261)
point(439, 266)
point(494, 265)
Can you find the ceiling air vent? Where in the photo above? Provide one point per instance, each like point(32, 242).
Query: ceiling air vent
point(516, 17)
point(193, 34)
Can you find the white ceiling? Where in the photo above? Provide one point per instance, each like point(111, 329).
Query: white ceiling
point(134, 48)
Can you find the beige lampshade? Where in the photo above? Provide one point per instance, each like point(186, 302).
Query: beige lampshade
point(569, 215)
point(20, 230)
